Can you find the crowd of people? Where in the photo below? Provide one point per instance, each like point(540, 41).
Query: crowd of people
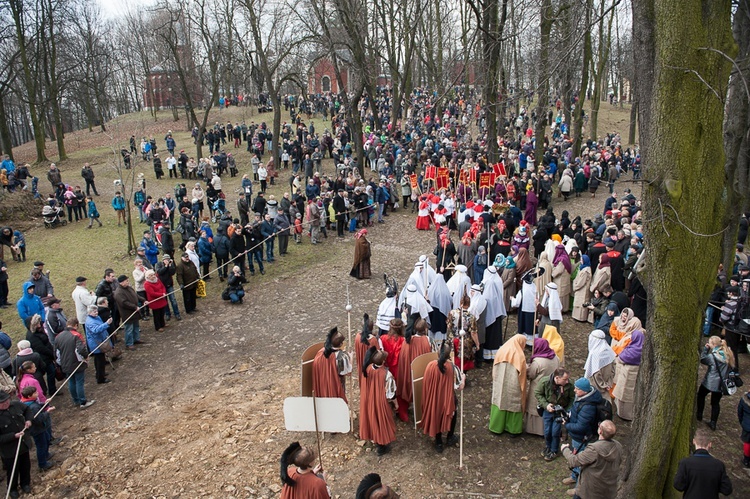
point(500, 248)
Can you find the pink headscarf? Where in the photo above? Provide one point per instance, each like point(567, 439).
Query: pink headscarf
point(361, 233)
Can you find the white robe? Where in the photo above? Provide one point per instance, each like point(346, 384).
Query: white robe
point(458, 285)
point(386, 312)
point(494, 294)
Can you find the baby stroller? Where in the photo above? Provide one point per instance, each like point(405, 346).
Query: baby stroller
point(52, 218)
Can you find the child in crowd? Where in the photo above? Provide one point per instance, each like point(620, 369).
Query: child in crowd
point(298, 228)
point(93, 212)
point(41, 425)
point(19, 246)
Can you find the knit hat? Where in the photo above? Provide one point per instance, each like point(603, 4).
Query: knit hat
point(583, 384)
point(122, 278)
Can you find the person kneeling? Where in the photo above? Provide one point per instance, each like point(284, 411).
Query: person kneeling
point(235, 291)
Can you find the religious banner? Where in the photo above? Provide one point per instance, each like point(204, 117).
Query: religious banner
point(499, 169)
point(307, 361)
point(463, 177)
point(413, 180)
point(473, 176)
point(486, 180)
point(443, 178)
point(430, 173)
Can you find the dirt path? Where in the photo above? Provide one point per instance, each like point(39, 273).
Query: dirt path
point(198, 411)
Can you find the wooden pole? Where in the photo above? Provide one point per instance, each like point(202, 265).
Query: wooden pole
point(317, 433)
point(461, 333)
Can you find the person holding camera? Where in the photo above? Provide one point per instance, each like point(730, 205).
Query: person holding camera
point(235, 292)
point(554, 395)
point(599, 464)
point(582, 425)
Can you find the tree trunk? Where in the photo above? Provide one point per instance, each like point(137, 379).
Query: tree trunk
point(736, 145)
point(633, 121)
point(5, 138)
point(545, 28)
point(684, 192)
point(578, 115)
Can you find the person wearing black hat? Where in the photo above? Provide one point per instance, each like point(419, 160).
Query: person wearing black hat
point(126, 299)
point(15, 417)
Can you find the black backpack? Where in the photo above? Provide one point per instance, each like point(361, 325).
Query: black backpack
point(603, 413)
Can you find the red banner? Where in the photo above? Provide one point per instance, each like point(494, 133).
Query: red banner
point(413, 180)
point(463, 177)
point(443, 182)
point(486, 180)
point(473, 176)
point(430, 172)
point(443, 172)
point(499, 169)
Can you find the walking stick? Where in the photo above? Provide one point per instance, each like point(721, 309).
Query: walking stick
point(349, 328)
point(317, 433)
point(461, 333)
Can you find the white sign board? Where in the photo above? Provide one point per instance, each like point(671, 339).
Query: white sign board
point(333, 414)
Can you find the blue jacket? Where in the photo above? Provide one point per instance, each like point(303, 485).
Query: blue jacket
point(8, 165)
point(170, 143)
point(152, 251)
point(29, 304)
point(583, 416)
point(93, 212)
point(118, 203)
point(204, 250)
point(96, 332)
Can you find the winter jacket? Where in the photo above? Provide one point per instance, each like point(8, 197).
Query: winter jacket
point(715, 363)
point(165, 273)
point(96, 332)
point(118, 203)
point(152, 251)
point(155, 292)
point(187, 275)
point(12, 421)
point(743, 413)
point(29, 304)
point(583, 416)
point(701, 476)
point(40, 344)
point(42, 421)
point(600, 465)
point(55, 324)
point(42, 286)
point(127, 303)
point(71, 349)
point(205, 254)
point(5, 346)
point(221, 246)
point(548, 393)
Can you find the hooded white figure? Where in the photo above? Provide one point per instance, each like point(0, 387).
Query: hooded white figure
point(414, 303)
point(418, 277)
point(430, 273)
point(494, 294)
point(388, 309)
point(459, 285)
point(441, 303)
point(478, 308)
point(525, 301)
point(553, 306)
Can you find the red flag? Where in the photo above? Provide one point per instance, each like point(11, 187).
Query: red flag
point(430, 173)
point(463, 177)
point(443, 172)
point(486, 180)
point(413, 179)
point(473, 176)
point(499, 169)
point(442, 182)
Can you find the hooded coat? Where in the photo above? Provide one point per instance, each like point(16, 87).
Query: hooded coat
point(29, 304)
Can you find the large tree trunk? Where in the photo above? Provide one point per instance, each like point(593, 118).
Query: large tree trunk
point(633, 121)
point(683, 194)
point(736, 128)
point(577, 127)
point(543, 74)
point(491, 59)
point(5, 138)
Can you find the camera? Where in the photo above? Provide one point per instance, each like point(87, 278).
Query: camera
point(587, 304)
point(561, 415)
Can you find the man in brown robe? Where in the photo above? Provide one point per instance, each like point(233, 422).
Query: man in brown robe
point(377, 402)
point(330, 366)
point(441, 377)
point(361, 266)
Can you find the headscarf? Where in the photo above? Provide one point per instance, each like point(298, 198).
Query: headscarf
point(555, 341)
point(552, 302)
point(523, 261)
point(600, 353)
point(603, 261)
point(556, 237)
point(512, 353)
point(500, 261)
point(628, 322)
point(440, 296)
point(631, 354)
point(585, 262)
point(494, 294)
point(542, 349)
point(510, 263)
point(361, 233)
point(561, 256)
